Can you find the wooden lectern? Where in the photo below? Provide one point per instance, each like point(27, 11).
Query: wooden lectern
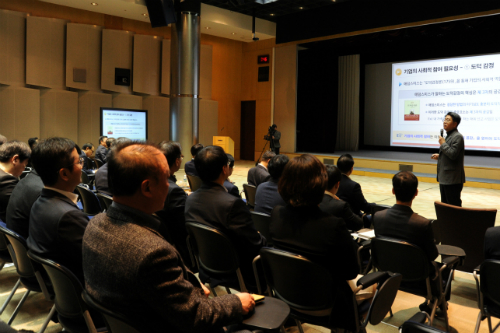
point(225, 142)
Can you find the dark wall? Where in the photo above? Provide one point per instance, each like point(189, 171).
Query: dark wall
point(317, 100)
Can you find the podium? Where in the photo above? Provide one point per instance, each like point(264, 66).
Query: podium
point(225, 142)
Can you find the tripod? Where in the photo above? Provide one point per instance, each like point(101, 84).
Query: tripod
point(263, 150)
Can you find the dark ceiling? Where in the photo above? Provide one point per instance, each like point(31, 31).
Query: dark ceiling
point(271, 10)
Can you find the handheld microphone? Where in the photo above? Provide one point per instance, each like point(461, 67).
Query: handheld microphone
point(441, 132)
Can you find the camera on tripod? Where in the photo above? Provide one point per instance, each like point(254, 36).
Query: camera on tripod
point(270, 133)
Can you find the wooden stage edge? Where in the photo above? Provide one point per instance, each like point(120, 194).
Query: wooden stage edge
point(476, 176)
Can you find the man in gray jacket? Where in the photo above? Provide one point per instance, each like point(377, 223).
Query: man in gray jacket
point(450, 166)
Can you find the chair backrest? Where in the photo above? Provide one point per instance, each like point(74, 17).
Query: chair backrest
point(67, 288)
point(116, 322)
point(299, 282)
point(4, 251)
point(105, 200)
point(24, 174)
point(250, 192)
point(490, 288)
point(85, 178)
point(194, 182)
point(379, 207)
point(91, 204)
point(262, 222)
point(397, 256)
point(98, 162)
point(465, 228)
point(18, 250)
point(213, 250)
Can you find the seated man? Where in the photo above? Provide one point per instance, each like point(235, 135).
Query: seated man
point(88, 164)
point(56, 224)
point(101, 175)
point(130, 268)
point(189, 167)
point(14, 157)
point(267, 196)
point(230, 187)
point(212, 205)
point(333, 205)
point(259, 174)
point(102, 149)
point(491, 243)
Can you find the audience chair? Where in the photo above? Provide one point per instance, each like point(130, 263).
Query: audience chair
point(30, 277)
point(310, 291)
point(88, 180)
point(250, 192)
point(25, 172)
point(4, 259)
point(71, 308)
point(410, 261)
point(194, 182)
point(91, 205)
point(488, 290)
point(215, 254)
point(416, 324)
point(115, 322)
point(262, 222)
point(98, 162)
point(105, 200)
point(465, 228)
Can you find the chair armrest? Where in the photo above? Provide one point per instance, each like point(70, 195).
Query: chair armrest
point(477, 270)
point(449, 261)
point(371, 279)
point(367, 243)
point(419, 317)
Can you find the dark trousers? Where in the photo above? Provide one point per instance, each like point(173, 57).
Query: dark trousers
point(450, 194)
point(276, 151)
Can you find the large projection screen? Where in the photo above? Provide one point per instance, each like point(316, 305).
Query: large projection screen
point(131, 124)
point(423, 92)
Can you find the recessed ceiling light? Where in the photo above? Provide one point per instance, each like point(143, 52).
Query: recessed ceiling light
point(233, 33)
point(94, 3)
point(145, 15)
point(271, 14)
point(301, 7)
point(207, 28)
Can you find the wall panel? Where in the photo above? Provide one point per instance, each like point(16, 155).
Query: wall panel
point(12, 48)
point(83, 51)
point(158, 117)
point(206, 71)
point(116, 53)
point(165, 67)
point(20, 113)
point(59, 114)
point(147, 56)
point(125, 101)
point(89, 117)
point(45, 47)
point(209, 117)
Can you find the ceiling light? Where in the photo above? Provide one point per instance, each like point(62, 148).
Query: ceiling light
point(301, 7)
point(207, 28)
point(94, 3)
point(145, 15)
point(271, 14)
point(233, 33)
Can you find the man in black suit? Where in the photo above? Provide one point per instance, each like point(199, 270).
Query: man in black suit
point(212, 205)
point(276, 136)
point(14, 157)
point(450, 167)
point(259, 174)
point(492, 243)
point(267, 196)
point(101, 175)
point(333, 205)
point(189, 167)
point(22, 199)
point(172, 213)
point(230, 187)
point(349, 190)
point(89, 163)
point(102, 149)
point(56, 224)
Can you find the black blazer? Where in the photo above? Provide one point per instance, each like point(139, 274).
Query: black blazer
point(232, 189)
point(22, 199)
point(492, 243)
point(190, 169)
point(258, 175)
point(400, 222)
point(100, 153)
point(7, 184)
point(267, 197)
point(101, 180)
point(350, 192)
point(213, 206)
point(56, 230)
point(341, 209)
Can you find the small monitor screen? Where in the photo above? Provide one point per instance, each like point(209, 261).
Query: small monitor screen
point(132, 124)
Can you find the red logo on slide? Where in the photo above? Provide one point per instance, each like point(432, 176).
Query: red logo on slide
point(412, 117)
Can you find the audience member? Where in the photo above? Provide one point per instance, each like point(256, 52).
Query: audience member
point(212, 205)
point(56, 224)
point(110, 142)
point(132, 269)
point(22, 199)
point(267, 196)
point(88, 164)
point(230, 187)
point(101, 175)
point(14, 156)
point(491, 243)
point(3, 139)
point(102, 149)
point(302, 228)
point(259, 174)
point(172, 213)
point(331, 204)
point(189, 167)
point(32, 142)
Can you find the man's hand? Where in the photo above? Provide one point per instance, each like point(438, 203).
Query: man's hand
point(205, 290)
point(441, 140)
point(435, 156)
point(247, 302)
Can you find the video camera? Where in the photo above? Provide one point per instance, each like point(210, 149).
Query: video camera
point(270, 133)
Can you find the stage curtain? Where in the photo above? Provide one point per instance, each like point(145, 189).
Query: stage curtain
point(348, 103)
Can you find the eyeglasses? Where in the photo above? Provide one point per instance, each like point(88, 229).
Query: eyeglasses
point(80, 161)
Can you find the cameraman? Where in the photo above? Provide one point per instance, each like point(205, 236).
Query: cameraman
point(275, 138)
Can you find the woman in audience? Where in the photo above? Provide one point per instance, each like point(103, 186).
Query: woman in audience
point(301, 227)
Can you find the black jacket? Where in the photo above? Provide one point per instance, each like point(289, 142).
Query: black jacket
point(350, 192)
point(7, 184)
point(100, 153)
point(267, 197)
point(190, 169)
point(341, 209)
point(258, 175)
point(101, 180)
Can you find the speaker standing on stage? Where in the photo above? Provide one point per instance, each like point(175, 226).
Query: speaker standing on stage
point(450, 166)
point(276, 136)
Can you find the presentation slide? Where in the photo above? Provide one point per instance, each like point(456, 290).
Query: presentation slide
point(131, 124)
point(423, 92)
